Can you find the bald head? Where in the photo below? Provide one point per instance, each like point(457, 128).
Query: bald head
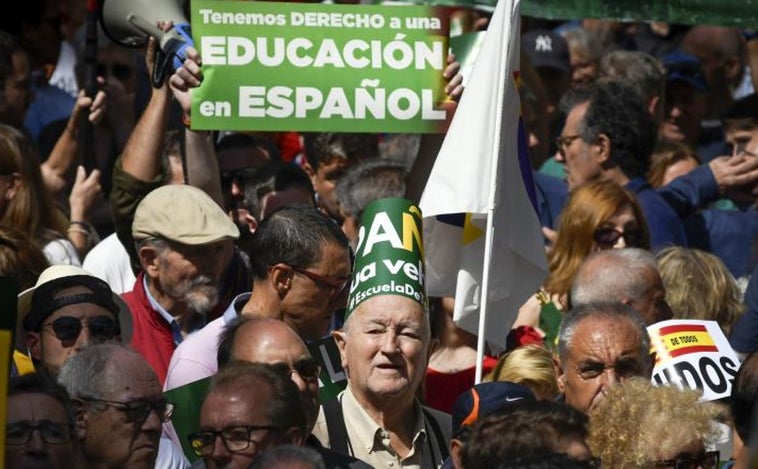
point(273, 342)
point(266, 340)
point(628, 275)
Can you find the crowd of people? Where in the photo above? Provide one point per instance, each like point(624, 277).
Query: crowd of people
point(226, 299)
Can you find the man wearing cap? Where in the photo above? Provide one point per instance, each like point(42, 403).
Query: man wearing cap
point(384, 345)
point(481, 400)
point(685, 105)
point(184, 241)
point(67, 310)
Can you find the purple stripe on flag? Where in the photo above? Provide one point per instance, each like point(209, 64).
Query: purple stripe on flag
point(526, 165)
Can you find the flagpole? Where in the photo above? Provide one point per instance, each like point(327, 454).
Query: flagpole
point(503, 81)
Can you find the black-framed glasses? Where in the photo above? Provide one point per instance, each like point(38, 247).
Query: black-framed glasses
point(609, 236)
point(308, 368)
point(563, 142)
point(52, 433)
point(68, 328)
point(236, 439)
point(708, 460)
point(337, 285)
point(139, 410)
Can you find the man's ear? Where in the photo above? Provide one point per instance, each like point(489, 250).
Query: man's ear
point(560, 373)
point(280, 275)
point(604, 146)
point(309, 170)
point(252, 223)
point(149, 260)
point(34, 344)
point(456, 446)
point(340, 337)
point(80, 418)
point(294, 436)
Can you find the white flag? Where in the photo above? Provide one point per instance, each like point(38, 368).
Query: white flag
point(478, 173)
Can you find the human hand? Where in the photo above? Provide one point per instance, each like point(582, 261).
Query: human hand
point(453, 78)
point(85, 191)
point(736, 176)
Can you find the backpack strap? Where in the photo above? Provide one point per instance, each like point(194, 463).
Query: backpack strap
point(335, 425)
point(441, 443)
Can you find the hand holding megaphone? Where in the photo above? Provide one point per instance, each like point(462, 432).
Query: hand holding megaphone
point(131, 22)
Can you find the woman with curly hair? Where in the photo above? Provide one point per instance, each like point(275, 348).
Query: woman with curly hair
point(642, 426)
point(598, 215)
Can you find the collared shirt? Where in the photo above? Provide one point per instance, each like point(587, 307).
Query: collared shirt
point(196, 357)
point(176, 329)
point(370, 442)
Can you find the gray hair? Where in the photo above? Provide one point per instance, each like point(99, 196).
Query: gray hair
point(610, 310)
point(367, 181)
point(641, 70)
point(84, 374)
point(613, 274)
point(283, 456)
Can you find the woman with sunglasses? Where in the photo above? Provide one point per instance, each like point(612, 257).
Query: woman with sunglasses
point(598, 215)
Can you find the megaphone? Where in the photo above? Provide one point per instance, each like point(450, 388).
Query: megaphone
point(131, 22)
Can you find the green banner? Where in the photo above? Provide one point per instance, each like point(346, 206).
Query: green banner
point(315, 67)
point(333, 378)
point(714, 12)
point(188, 400)
point(741, 13)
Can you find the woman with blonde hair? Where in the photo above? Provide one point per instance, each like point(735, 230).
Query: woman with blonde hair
point(598, 215)
point(531, 366)
point(642, 426)
point(699, 286)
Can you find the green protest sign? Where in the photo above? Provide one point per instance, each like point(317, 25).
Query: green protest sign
point(316, 67)
point(389, 258)
point(333, 378)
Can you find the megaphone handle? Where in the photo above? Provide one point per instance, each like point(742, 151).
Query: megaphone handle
point(161, 68)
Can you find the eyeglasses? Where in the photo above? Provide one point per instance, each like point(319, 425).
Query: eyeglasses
point(68, 328)
point(52, 433)
point(121, 72)
point(337, 285)
point(709, 460)
point(235, 439)
point(609, 237)
point(564, 142)
point(139, 410)
point(308, 368)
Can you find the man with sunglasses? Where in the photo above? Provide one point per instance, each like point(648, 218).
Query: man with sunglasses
point(301, 268)
point(119, 408)
point(67, 310)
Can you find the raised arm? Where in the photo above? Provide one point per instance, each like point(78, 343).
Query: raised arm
point(430, 144)
point(202, 164)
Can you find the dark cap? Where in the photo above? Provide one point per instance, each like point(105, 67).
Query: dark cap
point(38, 302)
point(681, 66)
point(487, 398)
point(546, 48)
